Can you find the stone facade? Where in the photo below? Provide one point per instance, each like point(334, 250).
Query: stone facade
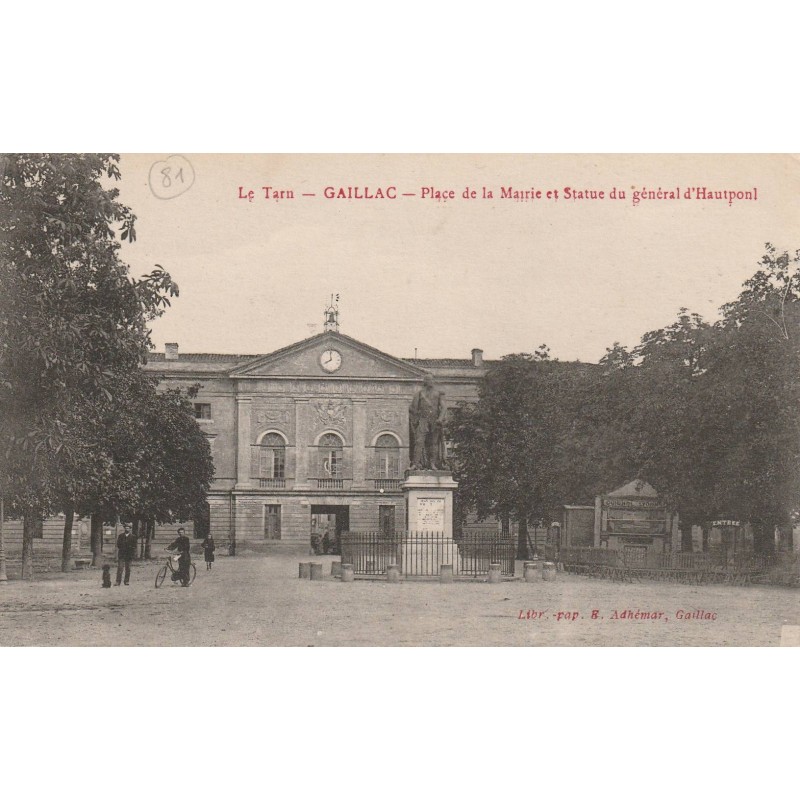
point(314, 435)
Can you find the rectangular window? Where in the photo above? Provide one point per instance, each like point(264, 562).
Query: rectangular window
point(272, 522)
point(331, 463)
point(388, 463)
point(278, 463)
point(202, 410)
point(273, 462)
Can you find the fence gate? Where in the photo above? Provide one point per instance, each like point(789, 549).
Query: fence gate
point(634, 555)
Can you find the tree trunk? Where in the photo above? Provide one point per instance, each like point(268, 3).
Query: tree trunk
point(96, 537)
point(522, 539)
point(686, 537)
point(135, 530)
point(150, 532)
point(66, 545)
point(29, 527)
point(3, 575)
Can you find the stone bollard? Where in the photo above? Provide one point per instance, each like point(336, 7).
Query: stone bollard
point(446, 573)
point(393, 573)
point(316, 572)
point(305, 569)
point(494, 573)
point(548, 571)
point(336, 569)
point(529, 572)
point(347, 573)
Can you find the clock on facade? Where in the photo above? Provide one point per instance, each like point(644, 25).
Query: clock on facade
point(330, 360)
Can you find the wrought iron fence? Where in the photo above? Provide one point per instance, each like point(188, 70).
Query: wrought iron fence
point(422, 554)
point(720, 567)
point(478, 550)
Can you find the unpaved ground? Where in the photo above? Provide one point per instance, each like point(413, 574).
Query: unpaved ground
point(259, 600)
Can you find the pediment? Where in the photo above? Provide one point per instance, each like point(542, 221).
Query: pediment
point(635, 488)
point(308, 359)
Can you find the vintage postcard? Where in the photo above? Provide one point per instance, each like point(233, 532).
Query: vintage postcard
point(400, 400)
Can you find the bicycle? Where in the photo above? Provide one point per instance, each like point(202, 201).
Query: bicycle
point(172, 566)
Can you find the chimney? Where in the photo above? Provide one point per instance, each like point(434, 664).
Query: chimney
point(171, 351)
point(477, 357)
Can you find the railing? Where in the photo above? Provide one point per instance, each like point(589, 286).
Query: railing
point(717, 567)
point(272, 483)
point(422, 554)
point(387, 484)
point(478, 550)
point(330, 483)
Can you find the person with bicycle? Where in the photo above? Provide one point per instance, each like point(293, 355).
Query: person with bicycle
point(183, 547)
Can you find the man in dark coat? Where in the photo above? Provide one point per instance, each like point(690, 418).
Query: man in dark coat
point(126, 552)
point(183, 546)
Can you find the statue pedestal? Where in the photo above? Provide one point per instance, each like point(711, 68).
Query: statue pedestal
point(429, 520)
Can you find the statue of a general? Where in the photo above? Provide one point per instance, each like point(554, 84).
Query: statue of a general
point(426, 428)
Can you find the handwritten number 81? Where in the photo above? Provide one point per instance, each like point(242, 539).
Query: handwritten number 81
point(166, 181)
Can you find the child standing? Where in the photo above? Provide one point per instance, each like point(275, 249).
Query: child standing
point(208, 550)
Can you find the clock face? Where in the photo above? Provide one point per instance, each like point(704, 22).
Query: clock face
point(330, 360)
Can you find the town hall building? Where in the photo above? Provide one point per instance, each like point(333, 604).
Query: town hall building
point(312, 438)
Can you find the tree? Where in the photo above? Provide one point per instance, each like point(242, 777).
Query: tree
point(713, 422)
point(677, 441)
point(756, 381)
point(71, 322)
point(512, 448)
point(162, 465)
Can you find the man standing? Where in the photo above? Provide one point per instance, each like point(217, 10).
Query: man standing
point(126, 552)
point(183, 546)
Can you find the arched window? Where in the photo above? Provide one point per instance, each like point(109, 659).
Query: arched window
point(331, 455)
point(273, 456)
point(387, 456)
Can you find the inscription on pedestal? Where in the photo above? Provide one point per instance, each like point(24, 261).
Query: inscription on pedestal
point(430, 513)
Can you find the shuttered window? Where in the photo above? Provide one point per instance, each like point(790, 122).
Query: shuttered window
point(272, 457)
point(331, 456)
point(387, 457)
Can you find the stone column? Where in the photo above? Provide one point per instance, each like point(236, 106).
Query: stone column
point(301, 431)
point(674, 532)
point(243, 449)
point(359, 444)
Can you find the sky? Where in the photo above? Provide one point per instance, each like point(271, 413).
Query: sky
point(442, 276)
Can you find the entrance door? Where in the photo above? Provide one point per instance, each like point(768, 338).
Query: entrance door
point(386, 520)
point(272, 522)
point(327, 525)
